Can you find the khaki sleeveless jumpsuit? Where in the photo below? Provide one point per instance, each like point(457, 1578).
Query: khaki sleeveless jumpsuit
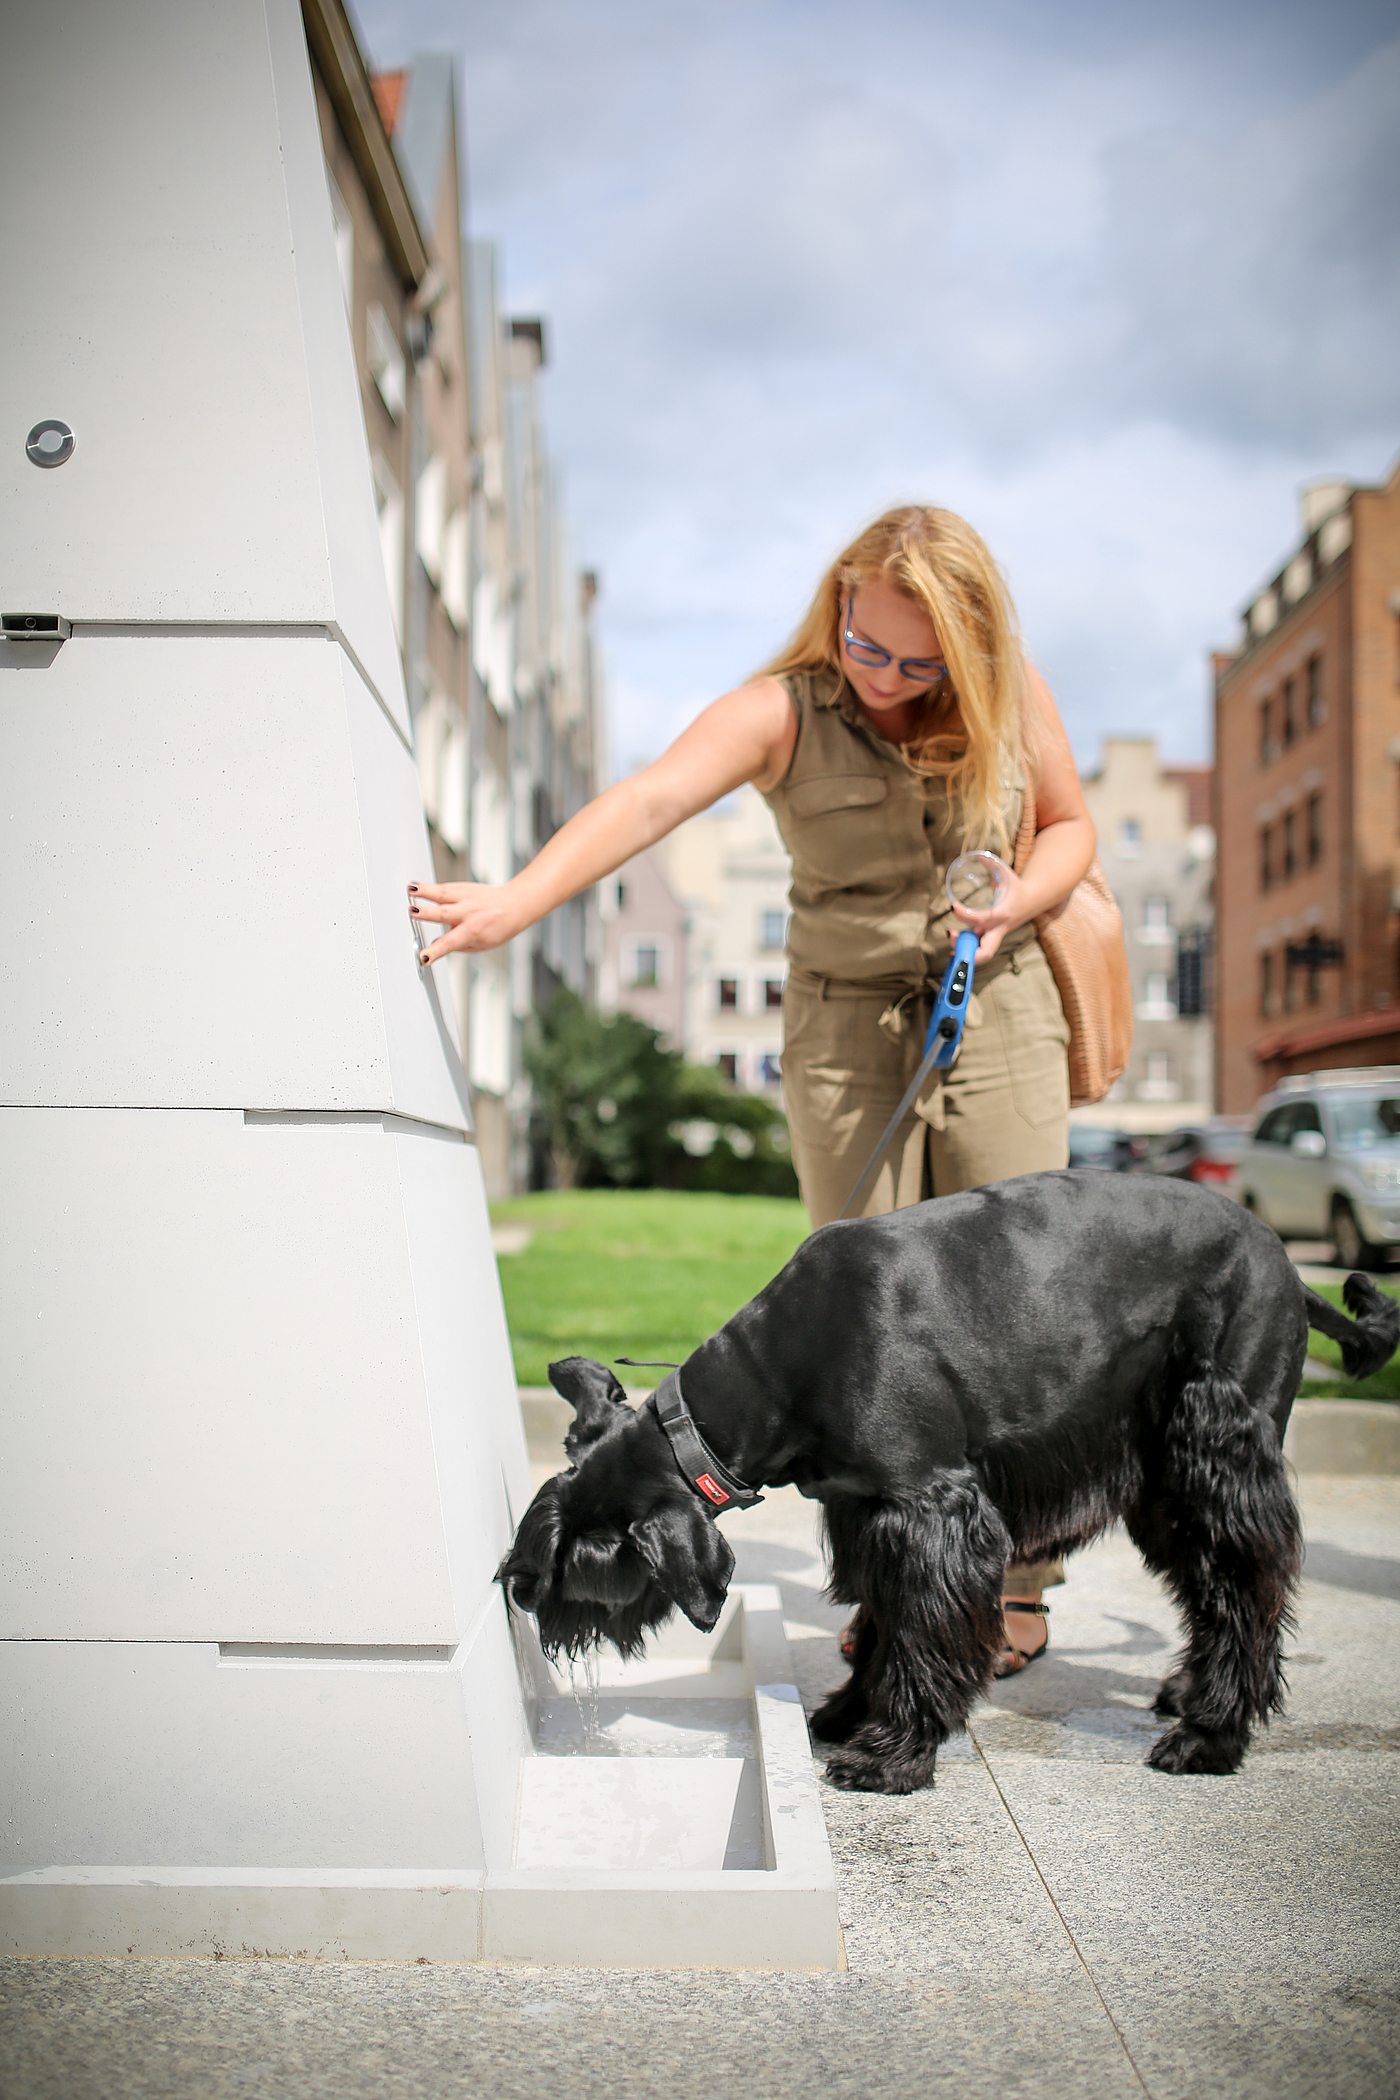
point(870, 938)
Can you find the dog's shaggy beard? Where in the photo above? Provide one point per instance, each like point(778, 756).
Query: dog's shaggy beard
point(599, 1589)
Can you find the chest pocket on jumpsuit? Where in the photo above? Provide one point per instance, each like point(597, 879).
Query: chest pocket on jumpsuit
point(845, 845)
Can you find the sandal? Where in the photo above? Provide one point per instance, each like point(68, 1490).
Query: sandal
point(1012, 1659)
point(850, 1636)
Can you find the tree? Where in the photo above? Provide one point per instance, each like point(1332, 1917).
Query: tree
point(623, 1112)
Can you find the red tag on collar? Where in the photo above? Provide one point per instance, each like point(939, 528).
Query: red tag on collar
point(712, 1489)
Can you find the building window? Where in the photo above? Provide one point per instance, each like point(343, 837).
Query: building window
point(1191, 972)
point(728, 995)
point(1159, 1067)
point(1290, 985)
point(1129, 837)
point(770, 1069)
point(343, 231)
point(1314, 830)
point(646, 966)
point(1290, 711)
point(1157, 1003)
point(773, 993)
point(1266, 984)
point(728, 1063)
point(1316, 710)
point(772, 929)
point(1290, 846)
point(622, 896)
point(1266, 858)
point(1266, 732)
point(1156, 913)
point(385, 360)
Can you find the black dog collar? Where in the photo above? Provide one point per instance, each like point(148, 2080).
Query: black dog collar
point(717, 1487)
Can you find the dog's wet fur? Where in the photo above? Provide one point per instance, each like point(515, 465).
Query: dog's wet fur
point(989, 1377)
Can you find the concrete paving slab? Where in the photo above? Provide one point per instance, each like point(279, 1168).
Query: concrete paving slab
point(1224, 1927)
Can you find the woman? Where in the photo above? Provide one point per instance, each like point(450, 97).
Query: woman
point(900, 725)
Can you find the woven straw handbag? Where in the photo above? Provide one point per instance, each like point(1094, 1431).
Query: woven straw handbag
point(1083, 943)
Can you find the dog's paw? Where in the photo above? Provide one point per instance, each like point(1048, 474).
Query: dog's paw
point(1187, 1749)
point(859, 1771)
point(1170, 1697)
point(838, 1717)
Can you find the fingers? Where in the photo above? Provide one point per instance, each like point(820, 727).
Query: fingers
point(440, 913)
point(439, 892)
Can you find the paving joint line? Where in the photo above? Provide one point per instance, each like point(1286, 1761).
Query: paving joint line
point(1064, 1921)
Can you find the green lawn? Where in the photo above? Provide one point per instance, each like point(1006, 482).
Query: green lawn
point(652, 1272)
point(1384, 1386)
point(635, 1272)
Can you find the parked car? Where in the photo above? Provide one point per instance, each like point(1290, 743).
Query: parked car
point(1113, 1151)
point(1324, 1162)
point(1205, 1152)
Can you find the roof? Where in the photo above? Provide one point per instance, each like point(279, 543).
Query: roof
point(388, 93)
point(1196, 780)
point(330, 35)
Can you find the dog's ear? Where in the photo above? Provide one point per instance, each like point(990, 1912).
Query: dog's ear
point(690, 1558)
point(598, 1401)
point(527, 1570)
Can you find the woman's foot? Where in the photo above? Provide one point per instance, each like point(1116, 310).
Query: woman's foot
point(1022, 1647)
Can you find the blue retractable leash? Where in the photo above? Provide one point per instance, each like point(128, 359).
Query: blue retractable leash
point(941, 1044)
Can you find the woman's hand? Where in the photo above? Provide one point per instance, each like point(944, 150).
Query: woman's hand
point(1012, 908)
point(477, 915)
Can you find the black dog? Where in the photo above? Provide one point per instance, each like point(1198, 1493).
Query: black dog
point(994, 1375)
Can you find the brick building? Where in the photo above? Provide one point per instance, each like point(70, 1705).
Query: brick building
point(1307, 742)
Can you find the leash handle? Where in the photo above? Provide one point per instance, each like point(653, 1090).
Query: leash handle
point(941, 1046)
point(949, 1016)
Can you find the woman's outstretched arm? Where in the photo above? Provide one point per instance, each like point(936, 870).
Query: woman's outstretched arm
point(748, 735)
point(1064, 830)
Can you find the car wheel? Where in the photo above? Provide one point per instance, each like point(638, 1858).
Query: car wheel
point(1353, 1251)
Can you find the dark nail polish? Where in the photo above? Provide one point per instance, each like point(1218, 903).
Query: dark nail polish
point(413, 889)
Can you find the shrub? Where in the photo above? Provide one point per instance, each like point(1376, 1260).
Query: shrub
point(623, 1112)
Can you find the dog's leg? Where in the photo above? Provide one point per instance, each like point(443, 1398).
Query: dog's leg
point(1225, 1534)
point(1149, 1526)
point(928, 1570)
point(843, 1710)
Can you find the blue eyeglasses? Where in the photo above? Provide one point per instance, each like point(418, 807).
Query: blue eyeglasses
point(920, 668)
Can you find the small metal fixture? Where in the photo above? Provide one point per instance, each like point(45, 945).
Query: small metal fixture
point(49, 443)
point(36, 627)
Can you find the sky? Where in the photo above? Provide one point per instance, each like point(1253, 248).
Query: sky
point(1111, 279)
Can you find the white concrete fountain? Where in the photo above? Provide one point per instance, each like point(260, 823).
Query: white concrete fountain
point(261, 1444)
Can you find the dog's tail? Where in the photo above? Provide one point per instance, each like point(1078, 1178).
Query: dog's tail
point(1368, 1339)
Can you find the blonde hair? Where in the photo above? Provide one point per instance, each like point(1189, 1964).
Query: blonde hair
point(972, 730)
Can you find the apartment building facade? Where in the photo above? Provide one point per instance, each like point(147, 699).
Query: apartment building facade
point(1307, 723)
point(642, 964)
point(1156, 845)
point(729, 871)
point(500, 659)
